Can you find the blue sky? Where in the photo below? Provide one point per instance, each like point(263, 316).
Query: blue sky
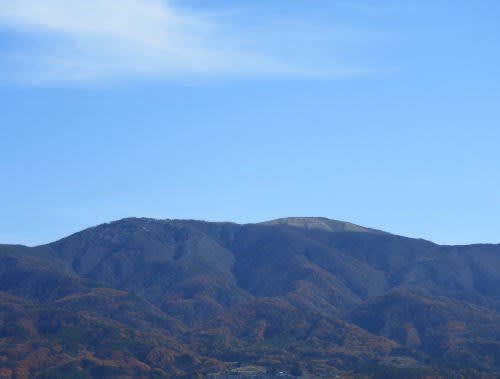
point(383, 113)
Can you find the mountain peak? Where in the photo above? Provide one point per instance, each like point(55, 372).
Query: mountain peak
point(321, 223)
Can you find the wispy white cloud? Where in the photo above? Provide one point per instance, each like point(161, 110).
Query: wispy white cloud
point(85, 40)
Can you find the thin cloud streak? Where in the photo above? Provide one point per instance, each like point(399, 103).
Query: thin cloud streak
point(92, 40)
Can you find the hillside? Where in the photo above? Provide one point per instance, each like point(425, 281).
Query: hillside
point(183, 298)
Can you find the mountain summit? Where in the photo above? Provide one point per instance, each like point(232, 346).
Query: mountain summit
point(148, 298)
point(321, 223)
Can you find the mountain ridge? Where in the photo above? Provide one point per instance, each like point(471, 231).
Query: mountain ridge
point(308, 222)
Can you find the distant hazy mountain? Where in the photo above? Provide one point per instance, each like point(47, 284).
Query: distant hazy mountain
point(182, 298)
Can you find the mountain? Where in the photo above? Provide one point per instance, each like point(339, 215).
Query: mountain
point(150, 298)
